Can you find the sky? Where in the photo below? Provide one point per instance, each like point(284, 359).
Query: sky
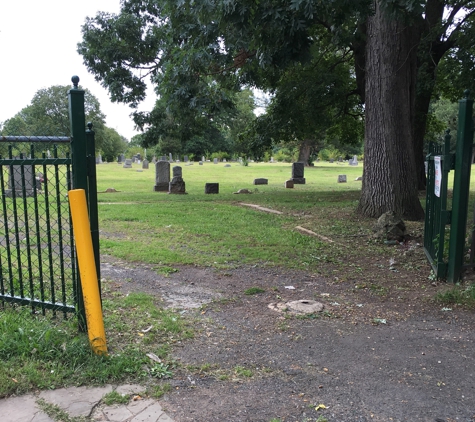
point(38, 41)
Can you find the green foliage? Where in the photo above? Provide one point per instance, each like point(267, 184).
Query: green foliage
point(328, 154)
point(458, 295)
point(254, 291)
point(47, 115)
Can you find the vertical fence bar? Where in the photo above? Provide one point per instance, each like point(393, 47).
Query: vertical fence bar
point(17, 230)
point(92, 200)
point(39, 249)
point(60, 229)
point(71, 238)
point(48, 237)
point(463, 157)
point(7, 238)
point(4, 209)
point(27, 233)
point(79, 158)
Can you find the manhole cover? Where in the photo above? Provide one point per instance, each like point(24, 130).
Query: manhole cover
point(302, 306)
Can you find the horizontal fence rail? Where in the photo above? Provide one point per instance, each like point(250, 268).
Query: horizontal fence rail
point(37, 256)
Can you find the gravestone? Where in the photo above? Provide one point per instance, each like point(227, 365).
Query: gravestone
point(289, 184)
point(119, 159)
point(215, 161)
point(15, 181)
point(227, 165)
point(145, 164)
point(177, 184)
point(203, 159)
point(154, 159)
point(297, 173)
point(342, 178)
point(139, 157)
point(127, 163)
point(186, 159)
point(162, 176)
point(224, 160)
point(170, 157)
point(353, 161)
point(122, 158)
point(272, 160)
point(99, 159)
point(211, 188)
point(331, 160)
point(163, 158)
point(200, 163)
point(261, 181)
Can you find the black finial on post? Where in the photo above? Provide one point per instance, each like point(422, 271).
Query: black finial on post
point(75, 81)
point(89, 125)
point(466, 94)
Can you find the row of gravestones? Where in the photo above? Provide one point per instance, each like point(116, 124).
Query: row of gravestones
point(177, 184)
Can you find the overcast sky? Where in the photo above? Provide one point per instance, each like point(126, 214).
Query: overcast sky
point(38, 49)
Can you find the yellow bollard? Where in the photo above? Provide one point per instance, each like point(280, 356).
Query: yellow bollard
point(87, 270)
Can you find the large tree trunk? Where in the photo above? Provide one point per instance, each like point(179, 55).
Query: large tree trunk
point(389, 177)
point(305, 149)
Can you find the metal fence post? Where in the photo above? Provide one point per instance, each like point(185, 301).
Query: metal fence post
point(92, 199)
point(79, 159)
point(463, 157)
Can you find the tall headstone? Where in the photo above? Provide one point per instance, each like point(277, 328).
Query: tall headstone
point(297, 173)
point(203, 159)
point(15, 182)
point(177, 184)
point(170, 157)
point(215, 161)
point(145, 164)
point(127, 163)
point(99, 159)
point(162, 176)
point(186, 159)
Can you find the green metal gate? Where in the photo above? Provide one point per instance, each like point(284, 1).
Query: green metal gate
point(445, 229)
point(37, 256)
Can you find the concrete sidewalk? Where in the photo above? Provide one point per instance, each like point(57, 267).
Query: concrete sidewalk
point(83, 403)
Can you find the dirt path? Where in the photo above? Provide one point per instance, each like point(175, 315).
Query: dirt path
point(366, 357)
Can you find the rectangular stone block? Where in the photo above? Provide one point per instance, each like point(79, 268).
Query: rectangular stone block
point(261, 181)
point(211, 188)
point(297, 170)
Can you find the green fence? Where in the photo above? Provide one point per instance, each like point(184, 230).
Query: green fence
point(37, 257)
point(445, 236)
point(37, 262)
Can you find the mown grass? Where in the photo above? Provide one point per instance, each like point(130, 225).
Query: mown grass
point(38, 352)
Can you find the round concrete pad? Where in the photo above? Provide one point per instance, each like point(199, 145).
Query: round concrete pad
point(302, 306)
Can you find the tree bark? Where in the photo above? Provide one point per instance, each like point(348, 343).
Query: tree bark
point(389, 177)
point(305, 149)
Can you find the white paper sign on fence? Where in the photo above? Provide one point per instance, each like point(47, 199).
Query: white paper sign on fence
point(438, 175)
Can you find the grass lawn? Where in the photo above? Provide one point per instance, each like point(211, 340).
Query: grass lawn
point(138, 224)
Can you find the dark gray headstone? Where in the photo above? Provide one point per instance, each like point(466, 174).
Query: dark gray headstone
point(145, 164)
point(211, 188)
point(261, 181)
point(162, 176)
point(297, 170)
point(177, 184)
point(297, 173)
point(127, 163)
point(15, 181)
point(186, 159)
point(215, 161)
point(342, 178)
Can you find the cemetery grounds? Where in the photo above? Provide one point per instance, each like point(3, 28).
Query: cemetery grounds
point(195, 289)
